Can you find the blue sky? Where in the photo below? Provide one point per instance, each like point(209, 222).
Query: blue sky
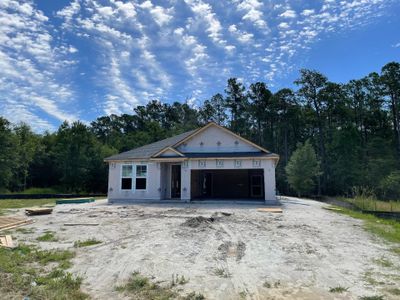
point(80, 59)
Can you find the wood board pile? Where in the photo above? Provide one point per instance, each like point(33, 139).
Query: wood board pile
point(8, 222)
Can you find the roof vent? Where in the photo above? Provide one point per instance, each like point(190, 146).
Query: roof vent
point(201, 143)
point(236, 143)
point(219, 143)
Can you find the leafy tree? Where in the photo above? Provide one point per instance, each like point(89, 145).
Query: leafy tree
point(391, 82)
point(214, 110)
point(8, 157)
point(302, 169)
point(260, 107)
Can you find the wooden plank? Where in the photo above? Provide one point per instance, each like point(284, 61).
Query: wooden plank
point(74, 200)
point(270, 209)
point(12, 222)
point(6, 241)
point(81, 224)
point(38, 211)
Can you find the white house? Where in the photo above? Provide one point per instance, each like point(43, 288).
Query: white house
point(210, 162)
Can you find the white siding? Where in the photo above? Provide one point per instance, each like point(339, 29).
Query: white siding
point(207, 141)
point(153, 190)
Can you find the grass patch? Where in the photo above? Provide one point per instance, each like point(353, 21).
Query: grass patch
point(387, 229)
point(194, 296)
point(25, 230)
point(27, 271)
point(48, 236)
point(338, 289)
point(178, 280)
point(20, 203)
point(140, 287)
point(87, 243)
point(220, 272)
point(394, 291)
point(371, 298)
point(370, 203)
point(383, 262)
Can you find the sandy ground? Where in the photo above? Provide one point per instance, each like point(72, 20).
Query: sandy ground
point(240, 253)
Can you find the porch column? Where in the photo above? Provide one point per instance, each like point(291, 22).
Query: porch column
point(185, 181)
point(269, 182)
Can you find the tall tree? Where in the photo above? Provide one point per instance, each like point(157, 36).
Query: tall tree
point(311, 85)
point(303, 169)
point(237, 103)
point(260, 108)
point(391, 82)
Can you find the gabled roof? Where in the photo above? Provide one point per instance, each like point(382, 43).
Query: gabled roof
point(147, 151)
point(154, 150)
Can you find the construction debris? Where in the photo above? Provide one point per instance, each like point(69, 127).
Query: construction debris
point(6, 241)
point(38, 211)
point(12, 222)
point(81, 224)
point(270, 209)
point(74, 200)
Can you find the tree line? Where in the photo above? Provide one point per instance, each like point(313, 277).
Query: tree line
point(354, 129)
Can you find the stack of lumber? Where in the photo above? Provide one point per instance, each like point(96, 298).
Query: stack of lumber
point(6, 241)
point(74, 200)
point(270, 209)
point(8, 222)
point(38, 211)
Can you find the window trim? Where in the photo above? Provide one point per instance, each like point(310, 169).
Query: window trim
point(121, 177)
point(145, 177)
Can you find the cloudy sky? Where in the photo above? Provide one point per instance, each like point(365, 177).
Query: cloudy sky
point(80, 59)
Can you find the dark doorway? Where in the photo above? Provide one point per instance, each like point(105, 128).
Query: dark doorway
point(227, 184)
point(175, 181)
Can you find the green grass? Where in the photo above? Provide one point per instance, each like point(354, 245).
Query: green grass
point(220, 272)
point(371, 298)
point(34, 191)
point(394, 291)
point(370, 203)
point(140, 287)
point(87, 243)
point(20, 203)
point(338, 289)
point(48, 236)
point(27, 271)
point(384, 262)
point(387, 229)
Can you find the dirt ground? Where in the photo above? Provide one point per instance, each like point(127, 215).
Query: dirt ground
point(226, 251)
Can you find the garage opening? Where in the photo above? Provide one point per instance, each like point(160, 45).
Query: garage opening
point(227, 184)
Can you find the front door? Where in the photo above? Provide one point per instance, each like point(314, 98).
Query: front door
point(175, 181)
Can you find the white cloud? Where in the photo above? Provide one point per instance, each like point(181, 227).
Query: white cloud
point(204, 14)
point(396, 45)
point(31, 66)
point(253, 12)
point(307, 12)
point(288, 14)
point(161, 15)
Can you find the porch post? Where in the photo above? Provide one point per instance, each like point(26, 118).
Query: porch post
point(185, 181)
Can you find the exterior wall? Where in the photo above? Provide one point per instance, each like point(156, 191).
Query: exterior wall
point(153, 187)
point(266, 164)
point(210, 138)
point(159, 178)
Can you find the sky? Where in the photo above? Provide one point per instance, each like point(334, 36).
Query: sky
point(81, 59)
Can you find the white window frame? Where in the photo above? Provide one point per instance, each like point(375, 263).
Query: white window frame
point(132, 177)
point(146, 177)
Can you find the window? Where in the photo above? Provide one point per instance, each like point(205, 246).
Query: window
point(126, 178)
point(141, 177)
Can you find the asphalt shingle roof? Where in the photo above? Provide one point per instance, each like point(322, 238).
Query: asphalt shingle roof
point(149, 150)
